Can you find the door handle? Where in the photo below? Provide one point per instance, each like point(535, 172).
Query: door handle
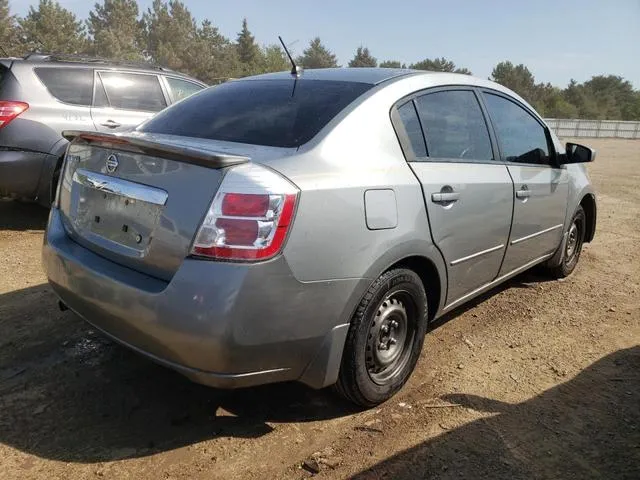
point(111, 124)
point(524, 192)
point(445, 197)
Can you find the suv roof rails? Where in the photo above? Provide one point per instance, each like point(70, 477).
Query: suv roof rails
point(68, 57)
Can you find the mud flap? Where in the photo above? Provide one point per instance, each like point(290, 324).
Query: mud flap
point(323, 370)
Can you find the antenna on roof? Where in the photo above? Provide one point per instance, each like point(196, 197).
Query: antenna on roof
point(295, 70)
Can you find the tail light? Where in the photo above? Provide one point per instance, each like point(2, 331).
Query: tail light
point(10, 110)
point(250, 216)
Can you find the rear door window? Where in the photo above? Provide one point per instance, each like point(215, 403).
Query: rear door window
point(133, 91)
point(279, 113)
point(69, 85)
point(181, 88)
point(522, 138)
point(409, 118)
point(454, 126)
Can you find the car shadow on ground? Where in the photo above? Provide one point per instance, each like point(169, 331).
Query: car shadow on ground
point(69, 394)
point(588, 427)
point(21, 216)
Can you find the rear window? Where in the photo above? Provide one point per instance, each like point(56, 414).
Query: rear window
point(133, 91)
point(69, 85)
point(279, 113)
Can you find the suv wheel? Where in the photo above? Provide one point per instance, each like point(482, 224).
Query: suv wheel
point(385, 339)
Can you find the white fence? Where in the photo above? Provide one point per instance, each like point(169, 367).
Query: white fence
point(594, 128)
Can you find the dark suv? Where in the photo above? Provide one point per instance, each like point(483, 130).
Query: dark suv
point(42, 95)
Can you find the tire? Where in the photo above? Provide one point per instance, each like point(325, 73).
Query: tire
point(385, 339)
point(573, 247)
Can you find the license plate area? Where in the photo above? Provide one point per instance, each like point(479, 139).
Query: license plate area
point(114, 213)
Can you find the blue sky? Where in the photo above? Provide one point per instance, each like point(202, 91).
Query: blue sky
point(557, 39)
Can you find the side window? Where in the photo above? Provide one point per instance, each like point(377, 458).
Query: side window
point(454, 126)
point(181, 88)
point(132, 91)
point(409, 118)
point(521, 137)
point(100, 98)
point(69, 85)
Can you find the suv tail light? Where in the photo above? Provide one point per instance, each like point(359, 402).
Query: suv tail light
point(10, 110)
point(250, 216)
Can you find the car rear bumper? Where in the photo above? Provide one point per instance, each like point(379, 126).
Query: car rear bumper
point(222, 324)
point(20, 172)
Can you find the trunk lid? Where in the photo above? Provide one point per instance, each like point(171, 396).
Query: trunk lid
point(138, 199)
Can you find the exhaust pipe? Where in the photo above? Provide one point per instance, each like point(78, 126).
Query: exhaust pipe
point(62, 306)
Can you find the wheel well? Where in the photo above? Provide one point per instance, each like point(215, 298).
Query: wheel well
point(588, 204)
point(428, 273)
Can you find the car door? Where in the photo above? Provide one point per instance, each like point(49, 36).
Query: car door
point(467, 192)
point(541, 186)
point(123, 100)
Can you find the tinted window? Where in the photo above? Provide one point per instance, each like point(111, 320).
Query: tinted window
point(69, 85)
point(521, 137)
point(133, 91)
point(181, 88)
point(281, 113)
point(100, 98)
point(454, 125)
point(409, 118)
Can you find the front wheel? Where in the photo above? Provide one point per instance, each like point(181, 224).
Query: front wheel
point(572, 247)
point(385, 339)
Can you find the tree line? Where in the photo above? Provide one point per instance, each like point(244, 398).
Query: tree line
point(167, 34)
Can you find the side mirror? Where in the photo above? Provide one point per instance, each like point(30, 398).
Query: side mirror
point(577, 153)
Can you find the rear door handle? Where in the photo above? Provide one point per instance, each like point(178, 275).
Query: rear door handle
point(111, 124)
point(445, 197)
point(524, 192)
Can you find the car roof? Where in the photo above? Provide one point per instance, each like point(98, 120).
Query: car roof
point(80, 61)
point(377, 75)
point(370, 75)
point(361, 75)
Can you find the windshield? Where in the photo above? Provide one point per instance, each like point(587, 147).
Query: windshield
point(259, 112)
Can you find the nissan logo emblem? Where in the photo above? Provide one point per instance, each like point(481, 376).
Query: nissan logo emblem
point(112, 163)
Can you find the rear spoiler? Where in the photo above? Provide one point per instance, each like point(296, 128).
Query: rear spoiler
point(135, 144)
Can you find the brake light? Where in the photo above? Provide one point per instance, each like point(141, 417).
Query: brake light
point(250, 216)
point(10, 110)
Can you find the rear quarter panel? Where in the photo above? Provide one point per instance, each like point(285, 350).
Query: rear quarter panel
point(358, 151)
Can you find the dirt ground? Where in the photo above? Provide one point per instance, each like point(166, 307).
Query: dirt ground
point(538, 379)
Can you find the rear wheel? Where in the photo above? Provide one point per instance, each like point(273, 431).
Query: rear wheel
point(572, 247)
point(385, 339)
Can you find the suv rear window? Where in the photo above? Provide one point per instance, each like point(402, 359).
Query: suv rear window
point(69, 85)
point(279, 113)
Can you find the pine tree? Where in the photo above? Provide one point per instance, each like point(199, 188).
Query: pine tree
point(439, 65)
point(117, 33)
point(214, 58)
point(171, 33)
point(53, 29)
point(274, 59)
point(391, 64)
point(317, 56)
point(8, 30)
point(363, 58)
point(248, 51)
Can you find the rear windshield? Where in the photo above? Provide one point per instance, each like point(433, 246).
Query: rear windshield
point(279, 113)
